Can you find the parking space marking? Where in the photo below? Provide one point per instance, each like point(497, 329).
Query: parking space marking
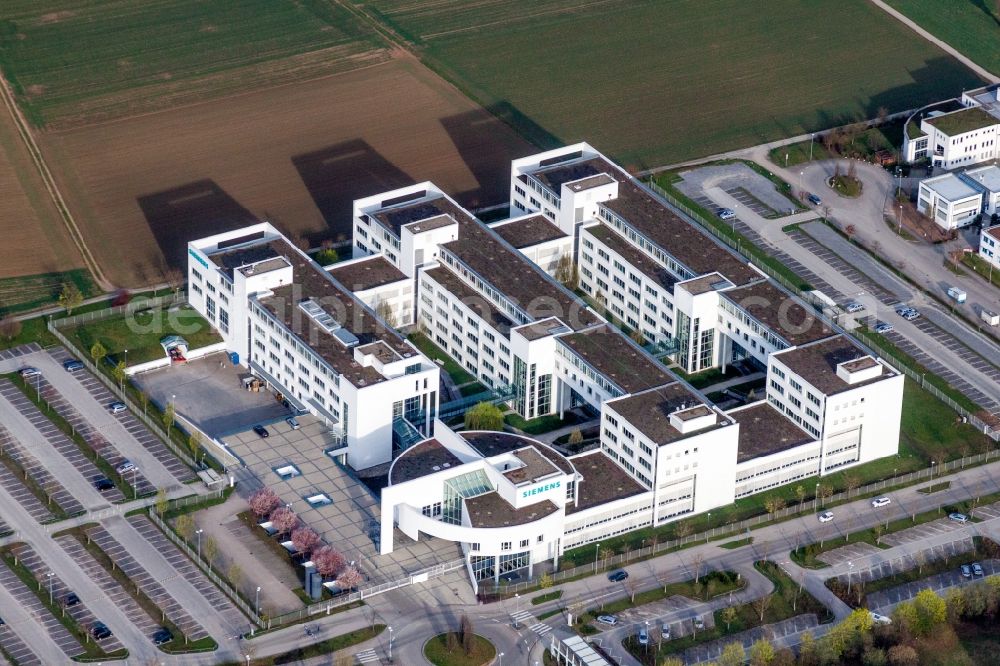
point(34, 607)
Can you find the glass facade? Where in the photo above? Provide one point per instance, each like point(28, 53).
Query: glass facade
point(471, 484)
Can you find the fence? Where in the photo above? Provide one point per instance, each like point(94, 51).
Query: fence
point(135, 305)
point(207, 569)
point(744, 526)
point(227, 458)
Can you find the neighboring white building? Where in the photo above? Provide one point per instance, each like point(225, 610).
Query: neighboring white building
point(950, 201)
point(310, 339)
point(989, 245)
point(986, 180)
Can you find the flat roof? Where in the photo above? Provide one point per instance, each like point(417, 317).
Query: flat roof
point(471, 298)
point(608, 351)
point(427, 457)
point(590, 182)
point(633, 255)
point(536, 467)
point(431, 223)
point(764, 430)
point(490, 443)
point(649, 412)
point(705, 284)
point(367, 273)
point(491, 510)
point(950, 187)
point(542, 328)
point(310, 281)
point(817, 363)
point(993, 231)
point(987, 177)
point(528, 231)
point(429, 207)
point(230, 260)
point(553, 177)
point(965, 120)
point(379, 350)
point(603, 481)
point(780, 312)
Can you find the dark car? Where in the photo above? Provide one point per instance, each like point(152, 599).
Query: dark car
point(100, 631)
point(261, 430)
point(71, 600)
point(2, 622)
point(162, 636)
point(617, 576)
point(72, 365)
point(103, 483)
point(510, 576)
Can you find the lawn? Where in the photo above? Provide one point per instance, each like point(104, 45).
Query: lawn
point(19, 294)
point(140, 333)
point(142, 56)
point(970, 26)
point(653, 82)
point(458, 374)
point(542, 424)
point(438, 652)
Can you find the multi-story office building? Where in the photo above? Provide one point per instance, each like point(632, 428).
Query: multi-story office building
point(957, 138)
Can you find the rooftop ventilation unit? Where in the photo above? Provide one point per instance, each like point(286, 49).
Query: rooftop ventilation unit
point(324, 320)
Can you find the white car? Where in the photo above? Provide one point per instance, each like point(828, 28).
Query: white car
point(609, 620)
point(881, 501)
point(958, 517)
point(910, 314)
point(126, 466)
point(853, 307)
point(117, 407)
point(883, 327)
point(826, 516)
point(880, 619)
point(30, 372)
point(726, 213)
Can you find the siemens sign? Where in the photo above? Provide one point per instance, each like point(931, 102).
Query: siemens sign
point(197, 258)
point(538, 490)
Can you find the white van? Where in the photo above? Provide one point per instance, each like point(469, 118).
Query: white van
point(957, 294)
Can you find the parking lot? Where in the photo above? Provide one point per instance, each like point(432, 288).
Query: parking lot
point(51, 434)
point(739, 181)
point(884, 296)
point(17, 648)
point(209, 393)
point(32, 605)
point(938, 583)
point(13, 449)
point(771, 632)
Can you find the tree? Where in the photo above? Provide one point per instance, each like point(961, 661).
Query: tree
point(761, 604)
point(185, 526)
point(850, 231)
point(70, 297)
point(882, 115)
point(10, 328)
point(637, 337)
point(168, 416)
point(567, 272)
point(327, 256)
point(235, 574)
point(874, 656)
point(484, 416)
point(774, 504)
point(732, 655)
point(575, 438)
point(385, 312)
point(807, 650)
point(800, 494)
point(924, 613)
point(210, 549)
point(545, 581)
point(468, 635)
point(263, 501)
point(194, 444)
point(683, 530)
point(98, 352)
point(328, 560)
point(761, 652)
point(955, 601)
point(903, 655)
point(118, 372)
point(349, 578)
point(728, 614)
point(699, 561)
point(284, 520)
point(852, 481)
point(161, 501)
point(305, 540)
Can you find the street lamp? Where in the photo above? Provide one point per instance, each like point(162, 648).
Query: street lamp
point(135, 491)
point(500, 663)
point(850, 568)
point(709, 526)
point(390, 644)
point(597, 551)
point(647, 636)
point(198, 532)
point(256, 603)
point(816, 497)
point(517, 602)
point(812, 139)
point(50, 575)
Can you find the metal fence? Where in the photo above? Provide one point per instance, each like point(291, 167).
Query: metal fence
point(226, 458)
point(743, 527)
point(135, 305)
point(223, 584)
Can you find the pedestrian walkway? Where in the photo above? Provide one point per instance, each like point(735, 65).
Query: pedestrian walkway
point(367, 657)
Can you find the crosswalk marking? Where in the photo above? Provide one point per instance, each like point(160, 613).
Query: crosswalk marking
point(521, 615)
point(367, 657)
point(541, 629)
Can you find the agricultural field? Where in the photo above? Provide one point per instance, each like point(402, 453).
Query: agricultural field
point(297, 155)
point(970, 26)
point(78, 61)
point(653, 82)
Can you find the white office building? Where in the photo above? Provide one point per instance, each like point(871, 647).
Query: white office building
point(958, 138)
point(950, 201)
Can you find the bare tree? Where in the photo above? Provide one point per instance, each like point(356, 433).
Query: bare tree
point(10, 328)
point(761, 604)
point(468, 635)
point(210, 549)
point(699, 561)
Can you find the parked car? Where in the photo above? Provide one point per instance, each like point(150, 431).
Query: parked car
point(70, 600)
point(2, 623)
point(100, 631)
point(853, 307)
point(826, 516)
point(510, 576)
point(665, 631)
point(261, 431)
point(125, 466)
point(966, 571)
point(30, 372)
point(958, 517)
point(883, 327)
point(814, 200)
point(162, 636)
point(726, 213)
point(977, 569)
point(699, 623)
point(72, 365)
point(643, 636)
point(618, 576)
point(910, 314)
point(103, 483)
point(293, 424)
point(609, 620)
point(881, 501)
point(117, 407)
point(880, 619)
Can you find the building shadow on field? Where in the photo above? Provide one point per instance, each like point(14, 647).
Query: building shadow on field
point(337, 175)
point(191, 211)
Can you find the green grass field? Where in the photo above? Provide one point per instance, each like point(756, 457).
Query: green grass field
point(19, 294)
point(970, 26)
point(69, 59)
point(657, 81)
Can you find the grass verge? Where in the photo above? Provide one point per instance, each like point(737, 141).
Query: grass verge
point(458, 374)
point(440, 653)
point(548, 596)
